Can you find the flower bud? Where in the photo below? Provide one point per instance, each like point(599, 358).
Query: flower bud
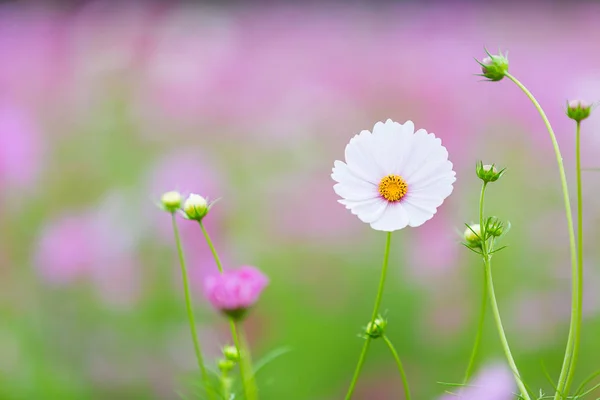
point(376, 329)
point(494, 67)
point(195, 207)
point(231, 353)
point(171, 201)
point(488, 173)
point(225, 365)
point(494, 227)
point(578, 110)
point(472, 236)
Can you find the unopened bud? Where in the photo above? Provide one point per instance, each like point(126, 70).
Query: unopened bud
point(494, 227)
point(472, 236)
point(494, 67)
point(195, 207)
point(225, 365)
point(578, 110)
point(488, 173)
point(376, 329)
point(231, 353)
point(171, 201)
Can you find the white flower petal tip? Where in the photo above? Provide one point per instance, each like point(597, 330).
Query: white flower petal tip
point(394, 177)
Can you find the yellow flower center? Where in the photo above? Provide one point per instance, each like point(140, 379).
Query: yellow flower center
point(393, 188)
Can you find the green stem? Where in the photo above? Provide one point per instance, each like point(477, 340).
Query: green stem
point(576, 341)
point(365, 349)
point(477, 343)
point(503, 339)
point(574, 327)
point(212, 247)
point(487, 264)
point(226, 385)
point(400, 367)
point(190, 312)
point(248, 382)
point(250, 391)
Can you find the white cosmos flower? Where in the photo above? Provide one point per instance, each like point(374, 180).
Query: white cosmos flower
point(394, 177)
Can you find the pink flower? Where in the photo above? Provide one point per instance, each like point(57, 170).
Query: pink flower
point(494, 382)
point(233, 292)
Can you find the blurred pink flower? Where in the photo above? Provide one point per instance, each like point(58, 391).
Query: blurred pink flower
point(65, 251)
point(96, 245)
point(494, 382)
point(20, 147)
point(235, 291)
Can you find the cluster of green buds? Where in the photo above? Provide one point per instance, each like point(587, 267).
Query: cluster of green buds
point(231, 356)
point(494, 67)
point(375, 329)
point(488, 173)
point(195, 207)
point(475, 235)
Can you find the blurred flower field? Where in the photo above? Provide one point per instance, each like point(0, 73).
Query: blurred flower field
point(106, 105)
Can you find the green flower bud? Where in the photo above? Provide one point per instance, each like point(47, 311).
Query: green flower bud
point(472, 236)
point(231, 353)
point(488, 173)
point(494, 67)
point(578, 110)
point(171, 201)
point(494, 227)
point(195, 207)
point(225, 365)
point(376, 329)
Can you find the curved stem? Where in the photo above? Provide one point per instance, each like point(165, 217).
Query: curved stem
point(365, 349)
point(574, 328)
point(477, 343)
point(400, 367)
point(503, 339)
point(212, 247)
point(487, 265)
point(190, 311)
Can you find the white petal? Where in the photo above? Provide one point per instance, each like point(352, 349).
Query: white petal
point(350, 186)
point(418, 213)
point(367, 210)
point(391, 144)
point(355, 193)
point(394, 218)
point(361, 160)
point(426, 151)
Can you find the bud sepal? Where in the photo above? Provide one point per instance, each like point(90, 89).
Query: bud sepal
point(488, 173)
point(494, 67)
point(579, 110)
point(376, 329)
point(196, 207)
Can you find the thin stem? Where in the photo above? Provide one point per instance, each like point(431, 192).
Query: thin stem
point(190, 311)
point(250, 391)
point(212, 247)
point(477, 343)
point(400, 367)
point(245, 368)
point(226, 386)
point(365, 349)
point(574, 327)
point(576, 340)
point(487, 264)
point(503, 339)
